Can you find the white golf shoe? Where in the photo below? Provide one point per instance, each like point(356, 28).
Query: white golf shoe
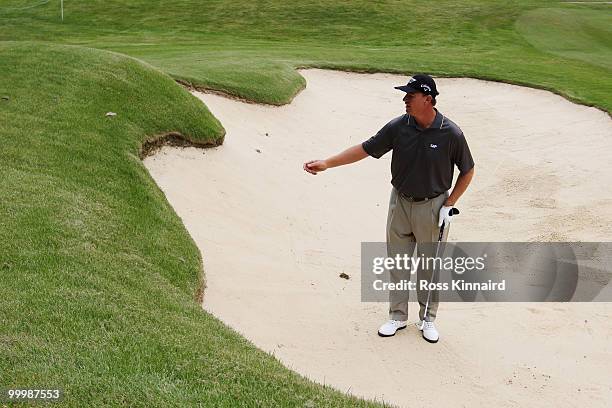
point(388, 329)
point(430, 333)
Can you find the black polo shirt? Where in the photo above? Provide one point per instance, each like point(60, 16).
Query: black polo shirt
point(423, 160)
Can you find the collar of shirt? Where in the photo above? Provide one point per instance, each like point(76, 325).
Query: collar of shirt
point(436, 124)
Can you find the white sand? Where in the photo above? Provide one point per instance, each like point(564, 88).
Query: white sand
point(274, 240)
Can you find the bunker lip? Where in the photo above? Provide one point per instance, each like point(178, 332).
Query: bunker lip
point(274, 239)
point(175, 139)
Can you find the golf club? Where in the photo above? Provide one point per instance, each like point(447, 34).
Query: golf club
point(451, 212)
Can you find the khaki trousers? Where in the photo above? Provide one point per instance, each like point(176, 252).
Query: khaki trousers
point(413, 225)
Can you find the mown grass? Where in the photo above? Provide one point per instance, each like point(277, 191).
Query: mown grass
point(584, 35)
point(250, 49)
point(97, 274)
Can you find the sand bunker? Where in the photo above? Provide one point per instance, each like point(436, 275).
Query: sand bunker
point(274, 240)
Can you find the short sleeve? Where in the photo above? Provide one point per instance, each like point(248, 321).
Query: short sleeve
point(381, 142)
point(462, 157)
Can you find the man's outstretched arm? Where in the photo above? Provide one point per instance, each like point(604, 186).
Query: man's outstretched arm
point(350, 155)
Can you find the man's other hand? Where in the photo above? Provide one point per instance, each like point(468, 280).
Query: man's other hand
point(445, 215)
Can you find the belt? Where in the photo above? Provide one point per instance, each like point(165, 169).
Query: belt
point(417, 199)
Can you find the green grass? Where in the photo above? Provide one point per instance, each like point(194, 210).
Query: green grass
point(98, 276)
point(250, 49)
point(584, 35)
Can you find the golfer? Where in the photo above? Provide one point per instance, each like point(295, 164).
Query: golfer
point(426, 147)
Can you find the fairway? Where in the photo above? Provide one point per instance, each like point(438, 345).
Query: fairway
point(110, 246)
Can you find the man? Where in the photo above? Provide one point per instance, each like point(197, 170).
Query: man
point(426, 146)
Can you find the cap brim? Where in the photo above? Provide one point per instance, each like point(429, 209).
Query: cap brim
point(407, 89)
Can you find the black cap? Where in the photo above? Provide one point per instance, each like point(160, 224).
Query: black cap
point(420, 83)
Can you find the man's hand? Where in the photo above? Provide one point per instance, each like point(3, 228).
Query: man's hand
point(315, 166)
point(445, 215)
point(350, 155)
